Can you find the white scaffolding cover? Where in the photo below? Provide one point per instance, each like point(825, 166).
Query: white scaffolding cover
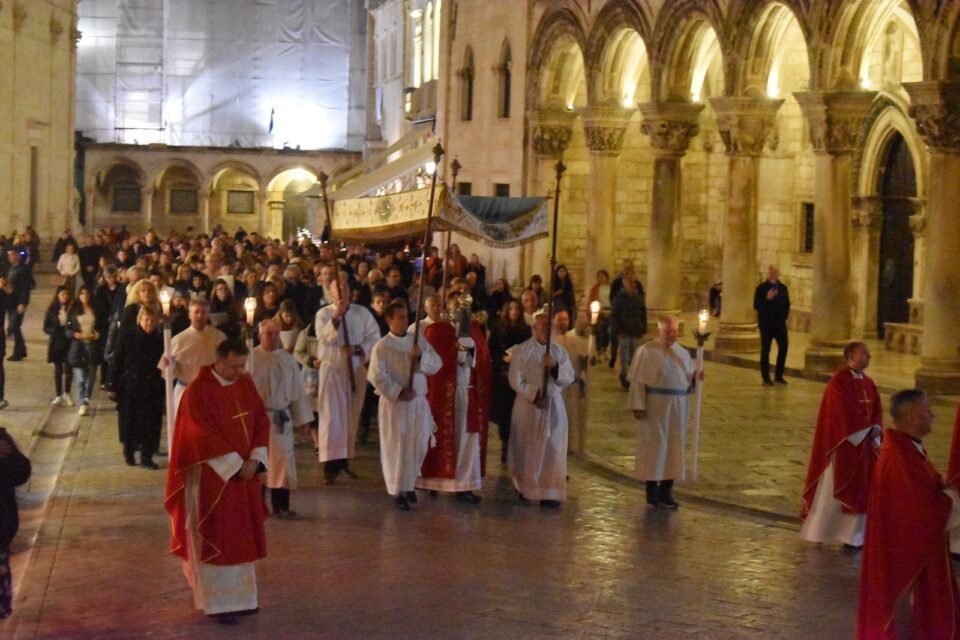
point(215, 72)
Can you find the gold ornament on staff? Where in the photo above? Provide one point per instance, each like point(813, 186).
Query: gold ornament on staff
point(437, 155)
point(336, 279)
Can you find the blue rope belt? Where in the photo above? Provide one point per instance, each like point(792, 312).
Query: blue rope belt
point(280, 419)
point(666, 392)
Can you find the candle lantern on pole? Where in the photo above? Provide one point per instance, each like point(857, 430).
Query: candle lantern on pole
point(168, 369)
point(701, 334)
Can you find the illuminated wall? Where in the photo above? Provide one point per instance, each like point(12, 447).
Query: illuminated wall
point(250, 73)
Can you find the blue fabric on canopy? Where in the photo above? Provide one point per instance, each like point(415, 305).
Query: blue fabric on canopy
point(493, 210)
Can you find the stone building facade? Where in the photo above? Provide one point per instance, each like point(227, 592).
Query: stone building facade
point(706, 139)
point(37, 58)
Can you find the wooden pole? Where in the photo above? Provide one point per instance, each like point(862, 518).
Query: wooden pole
point(336, 278)
point(437, 155)
point(560, 167)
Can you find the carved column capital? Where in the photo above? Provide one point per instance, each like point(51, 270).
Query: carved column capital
point(867, 214)
point(745, 124)
point(835, 118)
point(19, 16)
point(935, 106)
point(605, 127)
point(552, 130)
point(670, 125)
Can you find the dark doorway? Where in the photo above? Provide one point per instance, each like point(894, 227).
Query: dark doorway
point(295, 207)
point(898, 188)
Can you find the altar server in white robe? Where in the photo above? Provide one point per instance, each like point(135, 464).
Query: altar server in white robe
point(339, 405)
point(406, 424)
point(661, 376)
point(537, 455)
point(575, 395)
point(190, 350)
point(277, 377)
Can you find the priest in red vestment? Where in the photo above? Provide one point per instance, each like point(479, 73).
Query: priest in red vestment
point(953, 475)
point(213, 487)
point(845, 446)
point(906, 560)
point(459, 397)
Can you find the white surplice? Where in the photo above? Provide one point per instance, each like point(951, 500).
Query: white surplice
point(217, 588)
point(575, 395)
point(659, 379)
point(405, 427)
point(190, 350)
point(537, 455)
point(278, 382)
point(339, 407)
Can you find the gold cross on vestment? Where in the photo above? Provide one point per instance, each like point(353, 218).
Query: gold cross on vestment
point(242, 421)
point(865, 401)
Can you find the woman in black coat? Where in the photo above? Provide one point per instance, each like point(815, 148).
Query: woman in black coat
point(14, 471)
point(508, 331)
point(141, 396)
point(58, 344)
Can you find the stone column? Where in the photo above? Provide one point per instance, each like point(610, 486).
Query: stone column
point(604, 128)
point(146, 204)
point(918, 226)
point(261, 201)
point(834, 120)
point(670, 126)
point(934, 108)
point(744, 125)
point(867, 220)
point(204, 196)
point(90, 197)
point(552, 130)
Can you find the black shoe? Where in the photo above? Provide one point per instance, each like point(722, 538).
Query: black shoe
point(612, 363)
point(248, 612)
point(350, 474)
point(15, 358)
point(433, 493)
point(402, 503)
point(522, 498)
point(412, 497)
point(653, 495)
point(131, 461)
point(852, 548)
point(285, 514)
point(780, 381)
point(552, 504)
point(468, 496)
point(666, 495)
point(767, 382)
point(227, 618)
point(624, 382)
point(148, 464)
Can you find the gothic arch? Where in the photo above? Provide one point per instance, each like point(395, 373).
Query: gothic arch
point(156, 174)
point(620, 34)
point(561, 27)
point(847, 29)
point(757, 33)
point(888, 116)
point(682, 33)
point(242, 167)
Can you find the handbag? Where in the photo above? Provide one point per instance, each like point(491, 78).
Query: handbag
point(57, 280)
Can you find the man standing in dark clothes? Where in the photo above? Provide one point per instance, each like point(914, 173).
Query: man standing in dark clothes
point(90, 261)
point(772, 303)
point(20, 280)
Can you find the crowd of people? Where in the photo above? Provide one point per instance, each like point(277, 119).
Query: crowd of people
point(335, 338)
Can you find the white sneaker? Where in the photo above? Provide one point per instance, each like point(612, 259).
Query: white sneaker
point(57, 401)
point(66, 400)
point(83, 409)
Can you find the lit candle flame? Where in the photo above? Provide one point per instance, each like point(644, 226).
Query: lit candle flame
point(165, 302)
point(594, 311)
point(704, 315)
point(250, 304)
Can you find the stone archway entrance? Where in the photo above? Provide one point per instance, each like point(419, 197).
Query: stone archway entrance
point(898, 189)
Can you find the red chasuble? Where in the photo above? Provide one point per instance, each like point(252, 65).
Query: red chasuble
point(906, 547)
point(953, 468)
point(848, 405)
point(481, 379)
point(214, 420)
point(441, 460)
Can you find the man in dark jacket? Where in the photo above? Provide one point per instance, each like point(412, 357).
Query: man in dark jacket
point(14, 471)
point(771, 300)
point(628, 321)
point(20, 280)
point(90, 261)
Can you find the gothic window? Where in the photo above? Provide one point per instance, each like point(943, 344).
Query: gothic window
point(126, 197)
point(503, 82)
point(466, 86)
